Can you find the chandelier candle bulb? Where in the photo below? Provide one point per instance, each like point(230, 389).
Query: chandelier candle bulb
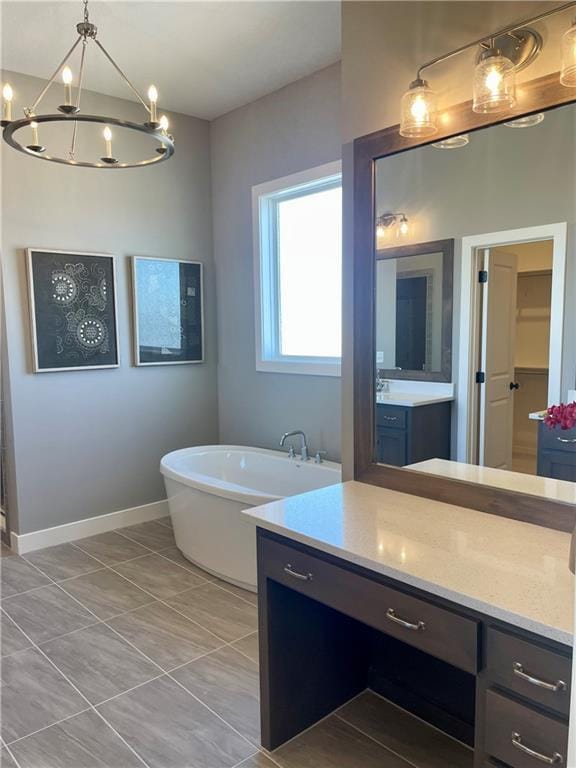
point(107, 133)
point(34, 127)
point(67, 80)
point(164, 124)
point(153, 96)
point(7, 95)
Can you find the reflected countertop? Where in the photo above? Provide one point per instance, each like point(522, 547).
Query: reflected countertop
point(512, 571)
point(409, 400)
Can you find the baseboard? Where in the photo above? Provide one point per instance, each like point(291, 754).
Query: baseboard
point(60, 534)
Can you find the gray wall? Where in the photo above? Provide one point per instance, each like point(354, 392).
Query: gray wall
point(89, 442)
point(291, 130)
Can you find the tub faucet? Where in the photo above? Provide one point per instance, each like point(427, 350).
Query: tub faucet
point(304, 454)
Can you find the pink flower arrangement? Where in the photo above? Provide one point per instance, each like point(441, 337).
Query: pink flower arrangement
point(563, 416)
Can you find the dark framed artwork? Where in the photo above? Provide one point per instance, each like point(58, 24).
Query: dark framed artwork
point(168, 311)
point(72, 310)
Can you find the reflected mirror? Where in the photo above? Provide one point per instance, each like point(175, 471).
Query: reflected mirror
point(475, 308)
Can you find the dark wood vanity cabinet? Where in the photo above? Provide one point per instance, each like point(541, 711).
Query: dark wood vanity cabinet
point(557, 453)
point(406, 435)
point(329, 629)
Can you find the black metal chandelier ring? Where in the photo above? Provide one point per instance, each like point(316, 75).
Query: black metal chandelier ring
point(163, 152)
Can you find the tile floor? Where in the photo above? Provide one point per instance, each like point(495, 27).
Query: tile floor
point(119, 653)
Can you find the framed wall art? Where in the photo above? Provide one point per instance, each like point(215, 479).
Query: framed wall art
point(168, 311)
point(72, 310)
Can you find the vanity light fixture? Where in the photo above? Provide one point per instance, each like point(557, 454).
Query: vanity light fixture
point(399, 221)
point(568, 71)
point(69, 113)
point(501, 55)
point(454, 142)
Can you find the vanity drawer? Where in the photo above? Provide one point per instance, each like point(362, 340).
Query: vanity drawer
point(392, 416)
point(522, 737)
point(557, 439)
point(437, 631)
point(531, 671)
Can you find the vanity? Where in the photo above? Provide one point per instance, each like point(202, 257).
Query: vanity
point(460, 617)
point(557, 453)
point(412, 428)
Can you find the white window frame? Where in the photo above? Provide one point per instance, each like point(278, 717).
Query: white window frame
point(264, 203)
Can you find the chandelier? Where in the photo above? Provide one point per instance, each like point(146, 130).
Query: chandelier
point(69, 116)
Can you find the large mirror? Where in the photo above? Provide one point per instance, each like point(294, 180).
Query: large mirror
point(464, 377)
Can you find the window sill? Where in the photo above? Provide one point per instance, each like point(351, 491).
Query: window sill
point(300, 368)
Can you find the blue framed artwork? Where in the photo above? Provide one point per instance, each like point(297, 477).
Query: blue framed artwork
point(168, 311)
point(72, 310)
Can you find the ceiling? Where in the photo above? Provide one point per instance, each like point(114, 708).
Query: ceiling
point(206, 58)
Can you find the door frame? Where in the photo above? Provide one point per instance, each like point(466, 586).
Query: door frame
point(470, 309)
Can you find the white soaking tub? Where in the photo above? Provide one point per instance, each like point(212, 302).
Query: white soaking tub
point(208, 487)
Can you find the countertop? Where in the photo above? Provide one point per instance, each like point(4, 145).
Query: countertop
point(537, 415)
point(534, 485)
point(512, 571)
point(409, 400)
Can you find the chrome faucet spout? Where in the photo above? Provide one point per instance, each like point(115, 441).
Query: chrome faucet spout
point(297, 433)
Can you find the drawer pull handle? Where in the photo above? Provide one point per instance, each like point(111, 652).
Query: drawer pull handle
point(556, 687)
point(555, 759)
point(301, 576)
point(419, 625)
point(395, 418)
point(566, 439)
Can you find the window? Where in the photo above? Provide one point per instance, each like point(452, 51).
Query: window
point(298, 272)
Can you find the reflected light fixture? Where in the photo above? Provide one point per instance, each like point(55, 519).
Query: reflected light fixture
point(454, 142)
point(419, 110)
point(388, 221)
point(568, 70)
point(501, 55)
point(526, 122)
point(70, 118)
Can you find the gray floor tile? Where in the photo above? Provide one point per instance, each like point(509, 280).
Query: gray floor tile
point(227, 682)
point(159, 576)
point(248, 646)
point(6, 760)
point(164, 635)
point(170, 729)
point(110, 548)
point(403, 733)
point(251, 597)
point(99, 662)
point(106, 593)
point(11, 639)
point(336, 744)
point(34, 695)
point(152, 535)
point(62, 562)
point(46, 613)
point(218, 611)
point(83, 741)
point(259, 760)
point(18, 576)
point(174, 554)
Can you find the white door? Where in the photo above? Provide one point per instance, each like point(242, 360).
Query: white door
point(497, 359)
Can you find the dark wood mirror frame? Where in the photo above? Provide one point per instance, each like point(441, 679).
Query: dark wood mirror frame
point(446, 248)
point(538, 95)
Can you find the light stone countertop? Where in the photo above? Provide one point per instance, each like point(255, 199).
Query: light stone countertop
point(534, 485)
point(409, 400)
point(512, 571)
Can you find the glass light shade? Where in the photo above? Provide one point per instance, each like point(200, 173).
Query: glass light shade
point(454, 142)
point(526, 122)
point(494, 83)
point(568, 70)
point(419, 110)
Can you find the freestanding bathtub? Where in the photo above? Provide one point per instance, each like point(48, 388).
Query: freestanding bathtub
point(208, 487)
